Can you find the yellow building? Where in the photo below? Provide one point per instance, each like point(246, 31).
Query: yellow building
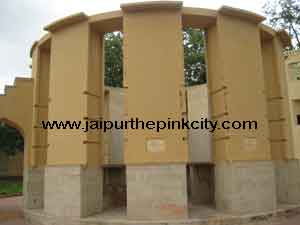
point(287, 171)
point(293, 82)
point(73, 176)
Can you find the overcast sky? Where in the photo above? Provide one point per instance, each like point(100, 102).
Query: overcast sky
point(21, 23)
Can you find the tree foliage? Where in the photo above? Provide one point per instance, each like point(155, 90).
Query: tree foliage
point(11, 141)
point(194, 58)
point(285, 14)
point(113, 59)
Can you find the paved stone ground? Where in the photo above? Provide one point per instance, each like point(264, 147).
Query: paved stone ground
point(11, 213)
point(293, 221)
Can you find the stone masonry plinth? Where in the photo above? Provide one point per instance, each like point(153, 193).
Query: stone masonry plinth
point(72, 191)
point(156, 192)
point(245, 187)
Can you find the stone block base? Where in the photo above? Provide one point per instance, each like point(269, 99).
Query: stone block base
point(245, 187)
point(72, 191)
point(33, 183)
point(156, 192)
point(288, 181)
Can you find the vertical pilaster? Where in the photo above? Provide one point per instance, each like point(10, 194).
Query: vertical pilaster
point(153, 77)
point(40, 107)
point(276, 101)
point(244, 173)
point(34, 173)
point(283, 139)
point(73, 177)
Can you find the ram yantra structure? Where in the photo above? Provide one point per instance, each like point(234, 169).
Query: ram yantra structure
point(254, 170)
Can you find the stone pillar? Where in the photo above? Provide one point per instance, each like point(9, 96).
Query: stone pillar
point(288, 181)
point(291, 171)
point(244, 172)
point(284, 150)
point(153, 77)
point(33, 188)
point(34, 171)
point(73, 177)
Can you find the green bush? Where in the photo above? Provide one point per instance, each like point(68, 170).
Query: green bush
point(10, 187)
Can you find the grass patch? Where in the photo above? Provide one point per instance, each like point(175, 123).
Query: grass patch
point(10, 187)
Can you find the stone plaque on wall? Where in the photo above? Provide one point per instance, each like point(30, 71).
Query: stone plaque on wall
point(250, 144)
point(155, 145)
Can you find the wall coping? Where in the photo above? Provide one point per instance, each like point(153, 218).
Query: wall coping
point(242, 14)
point(66, 21)
point(141, 6)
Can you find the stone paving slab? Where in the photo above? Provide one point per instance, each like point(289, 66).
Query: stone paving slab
point(11, 214)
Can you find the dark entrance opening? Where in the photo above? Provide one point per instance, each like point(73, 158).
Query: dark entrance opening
point(11, 158)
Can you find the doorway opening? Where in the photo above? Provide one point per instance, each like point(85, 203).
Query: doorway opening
point(114, 169)
point(200, 170)
point(11, 158)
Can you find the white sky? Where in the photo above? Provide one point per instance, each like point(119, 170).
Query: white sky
point(21, 23)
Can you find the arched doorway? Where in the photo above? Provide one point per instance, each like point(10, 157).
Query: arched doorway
point(11, 158)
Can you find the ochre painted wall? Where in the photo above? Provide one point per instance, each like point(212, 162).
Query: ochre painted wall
point(40, 73)
point(236, 84)
point(277, 98)
point(199, 141)
point(294, 100)
point(69, 66)
point(76, 94)
point(153, 73)
point(69, 60)
point(16, 109)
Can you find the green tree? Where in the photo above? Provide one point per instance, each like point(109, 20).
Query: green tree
point(194, 58)
point(285, 14)
point(11, 141)
point(113, 59)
